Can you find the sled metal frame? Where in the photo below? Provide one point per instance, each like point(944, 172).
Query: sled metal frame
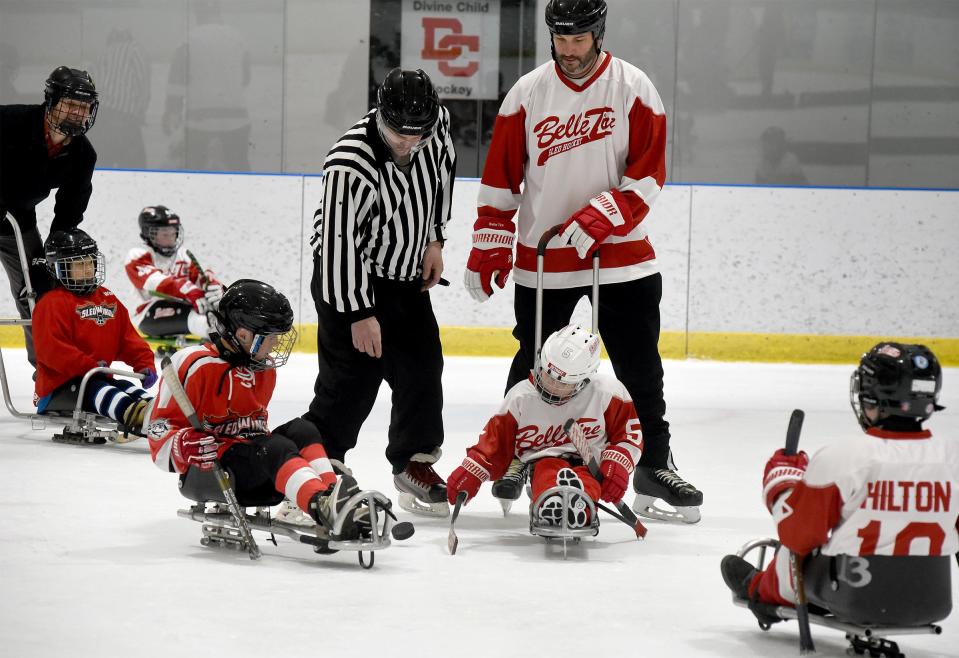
point(866, 637)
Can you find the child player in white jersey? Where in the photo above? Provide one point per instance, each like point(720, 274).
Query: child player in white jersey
point(529, 426)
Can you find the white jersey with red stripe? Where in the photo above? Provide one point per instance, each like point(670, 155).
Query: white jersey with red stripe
point(567, 143)
point(880, 493)
point(170, 276)
point(230, 403)
point(529, 428)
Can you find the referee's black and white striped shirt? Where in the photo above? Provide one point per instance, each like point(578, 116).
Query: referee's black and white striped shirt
point(375, 219)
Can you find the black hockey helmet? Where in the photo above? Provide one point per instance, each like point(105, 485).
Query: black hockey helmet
point(407, 103)
point(153, 218)
point(64, 250)
point(899, 380)
point(261, 309)
point(76, 85)
point(576, 17)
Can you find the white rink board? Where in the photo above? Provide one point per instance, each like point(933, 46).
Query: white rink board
point(95, 563)
point(734, 259)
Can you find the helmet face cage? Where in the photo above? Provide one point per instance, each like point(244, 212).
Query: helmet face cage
point(150, 237)
point(382, 125)
point(278, 355)
point(567, 360)
point(897, 380)
point(65, 269)
point(78, 114)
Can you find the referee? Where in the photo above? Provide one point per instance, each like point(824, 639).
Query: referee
point(378, 249)
point(43, 147)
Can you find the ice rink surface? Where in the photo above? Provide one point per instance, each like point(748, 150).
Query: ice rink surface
point(95, 562)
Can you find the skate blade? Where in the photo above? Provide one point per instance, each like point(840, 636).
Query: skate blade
point(646, 507)
point(413, 505)
point(506, 505)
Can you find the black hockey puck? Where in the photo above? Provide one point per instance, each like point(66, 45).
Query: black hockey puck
point(402, 530)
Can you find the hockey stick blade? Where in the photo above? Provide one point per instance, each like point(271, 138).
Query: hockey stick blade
point(452, 541)
point(183, 401)
point(806, 644)
point(578, 438)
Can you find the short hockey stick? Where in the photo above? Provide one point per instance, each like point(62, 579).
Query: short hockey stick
point(795, 563)
point(578, 438)
point(204, 279)
point(179, 394)
point(452, 541)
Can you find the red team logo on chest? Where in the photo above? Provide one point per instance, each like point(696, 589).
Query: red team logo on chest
point(99, 313)
point(554, 137)
point(532, 438)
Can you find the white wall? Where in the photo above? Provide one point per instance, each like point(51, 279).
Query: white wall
point(734, 259)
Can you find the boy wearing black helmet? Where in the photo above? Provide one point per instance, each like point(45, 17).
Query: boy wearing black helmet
point(892, 491)
point(43, 147)
point(378, 242)
point(230, 382)
point(80, 325)
point(176, 293)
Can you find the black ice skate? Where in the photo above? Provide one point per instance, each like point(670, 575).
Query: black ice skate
point(666, 485)
point(422, 490)
point(509, 487)
point(331, 511)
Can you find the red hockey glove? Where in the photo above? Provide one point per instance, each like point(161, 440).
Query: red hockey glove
point(615, 467)
point(193, 448)
point(197, 297)
point(467, 477)
point(491, 258)
point(607, 213)
point(782, 473)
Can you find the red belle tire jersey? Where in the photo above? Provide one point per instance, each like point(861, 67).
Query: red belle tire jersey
point(72, 333)
point(173, 276)
point(568, 143)
point(530, 428)
point(231, 403)
point(880, 493)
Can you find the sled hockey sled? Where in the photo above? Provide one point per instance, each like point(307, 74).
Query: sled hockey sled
point(219, 528)
point(79, 427)
point(867, 598)
point(574, 501)
point(169, 345)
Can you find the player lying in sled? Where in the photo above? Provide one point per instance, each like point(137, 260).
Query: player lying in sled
point(529, 428)
point(874, 516)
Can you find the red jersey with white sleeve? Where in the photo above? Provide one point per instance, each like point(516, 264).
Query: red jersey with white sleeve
point(881, 493)
point(530, 428)
point(173, 276)
point(568, 143)
point(231, 403)
point(73, 333)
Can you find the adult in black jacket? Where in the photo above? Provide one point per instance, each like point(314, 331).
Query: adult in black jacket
point(43, 147)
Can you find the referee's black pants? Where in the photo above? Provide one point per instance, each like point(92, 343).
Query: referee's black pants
point(411, 363)
point(629, 327)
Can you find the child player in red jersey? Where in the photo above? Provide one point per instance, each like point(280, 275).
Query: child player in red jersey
point(230, 382)
point(80, 325)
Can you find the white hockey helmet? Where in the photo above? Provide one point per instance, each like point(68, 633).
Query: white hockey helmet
point(568, 359)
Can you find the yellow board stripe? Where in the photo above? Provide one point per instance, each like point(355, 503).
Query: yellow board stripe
point(795, 348)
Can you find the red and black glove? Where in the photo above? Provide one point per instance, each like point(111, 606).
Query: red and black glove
point(783, 472)
point(193, 448)
point(615, 467)
point(466, 477)
point(491, 258)
point(607, 213)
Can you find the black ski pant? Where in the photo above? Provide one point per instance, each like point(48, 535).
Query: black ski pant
point(411, 363)
point(10, 256)
point(255, 464)
point(629, 327)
